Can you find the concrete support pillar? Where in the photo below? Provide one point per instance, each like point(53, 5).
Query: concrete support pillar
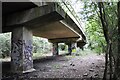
point(21, 51)
point(55, 49)
point(69, 48)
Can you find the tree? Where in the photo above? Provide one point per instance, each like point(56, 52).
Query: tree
point(117, 65)
point(107, 15)
point(95, 35)
point(5, 46)
point(106, 35)
point(38, 44)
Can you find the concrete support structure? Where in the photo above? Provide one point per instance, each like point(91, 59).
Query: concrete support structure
point(55, 49)
point(47, 20)
point(70, 47)
point(21, 51)
point(81, 44)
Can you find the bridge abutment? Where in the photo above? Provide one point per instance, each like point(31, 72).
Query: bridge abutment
point(21, 50)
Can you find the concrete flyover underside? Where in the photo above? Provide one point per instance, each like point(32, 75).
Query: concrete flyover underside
point(47, 20)
point(43, 19)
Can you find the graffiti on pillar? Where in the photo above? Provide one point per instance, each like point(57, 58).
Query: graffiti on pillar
point(17, 53)
point(21, 50)
point(22, 54)
point(28, 62)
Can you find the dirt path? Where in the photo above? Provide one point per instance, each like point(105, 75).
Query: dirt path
point(90, 66)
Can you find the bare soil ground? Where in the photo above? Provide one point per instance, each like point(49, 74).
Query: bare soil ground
point(89, 67)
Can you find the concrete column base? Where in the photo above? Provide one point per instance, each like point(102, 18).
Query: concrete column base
point(30, 70)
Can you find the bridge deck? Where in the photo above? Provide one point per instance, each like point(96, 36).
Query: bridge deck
point(47, 20)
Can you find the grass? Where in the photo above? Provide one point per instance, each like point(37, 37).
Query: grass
point(40, 55)
point(86, 52)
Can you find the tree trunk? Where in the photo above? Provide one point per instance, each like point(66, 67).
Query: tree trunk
point(110, 61)
point(106, 68)
point(117, 65)
point(105, 31)
point(103, 21)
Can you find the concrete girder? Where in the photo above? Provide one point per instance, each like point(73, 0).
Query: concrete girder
point(40, 16)
point(64, 40)
point(55, 30)
point(33, 17)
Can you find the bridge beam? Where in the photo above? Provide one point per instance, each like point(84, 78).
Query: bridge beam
point(55, 49)
point(64, 40)
point(21, 51)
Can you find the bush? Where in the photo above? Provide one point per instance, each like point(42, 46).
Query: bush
point(40, 45)
point(5, 45)
point(62, 47)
